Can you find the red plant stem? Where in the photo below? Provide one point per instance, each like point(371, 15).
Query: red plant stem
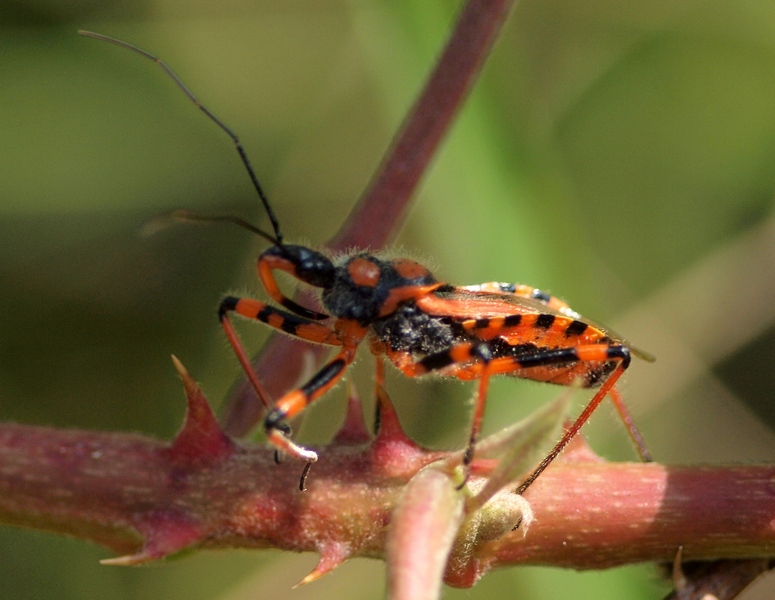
point(383, 205)
point(110, 488)
point(620, 513)
point(381, 210)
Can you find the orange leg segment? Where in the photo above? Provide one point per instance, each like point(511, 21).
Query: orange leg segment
point(286, 322)
point(468, 360)
point(601, 393)
point(295, 401)
point(629, 423)
point(476, 425)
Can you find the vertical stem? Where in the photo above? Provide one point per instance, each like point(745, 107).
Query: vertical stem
point(381, 210)
point(384, 204)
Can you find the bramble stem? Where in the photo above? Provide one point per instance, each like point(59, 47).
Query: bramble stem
point(380, 212)
point(113, 488)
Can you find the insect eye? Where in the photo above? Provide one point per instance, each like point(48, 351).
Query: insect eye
point(311, 266)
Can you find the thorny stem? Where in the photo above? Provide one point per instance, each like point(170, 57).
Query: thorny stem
point(151, 499)
point(115, 488)
point(381, 210)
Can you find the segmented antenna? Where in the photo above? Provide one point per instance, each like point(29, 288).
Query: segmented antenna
point(277, 238)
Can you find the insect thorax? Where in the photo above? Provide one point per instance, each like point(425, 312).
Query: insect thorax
point(363, 283)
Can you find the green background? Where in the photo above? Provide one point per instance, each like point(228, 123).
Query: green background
point(620, 155)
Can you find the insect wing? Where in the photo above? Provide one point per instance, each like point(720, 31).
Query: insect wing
point(463, 304)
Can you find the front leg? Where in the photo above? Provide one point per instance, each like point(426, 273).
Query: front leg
point(286, 322)
point(294, 402)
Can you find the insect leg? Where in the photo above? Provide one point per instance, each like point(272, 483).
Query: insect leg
point(476, 425)
point(587, 354)
point(590, 353)
point(571, 432)
point(629, 423)
point(295, 401)
point(302, 263)
point(468, 360)
point(460, 353)
point(581, 354)
point(281, 320)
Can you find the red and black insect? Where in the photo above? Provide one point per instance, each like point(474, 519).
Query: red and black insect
point(418, 323)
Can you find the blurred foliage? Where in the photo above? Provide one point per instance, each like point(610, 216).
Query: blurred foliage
point(608, 148)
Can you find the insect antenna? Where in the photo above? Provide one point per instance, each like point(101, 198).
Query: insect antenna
point(164, 220)
point(183, 215)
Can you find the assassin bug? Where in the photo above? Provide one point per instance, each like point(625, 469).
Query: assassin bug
point(418, 323)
